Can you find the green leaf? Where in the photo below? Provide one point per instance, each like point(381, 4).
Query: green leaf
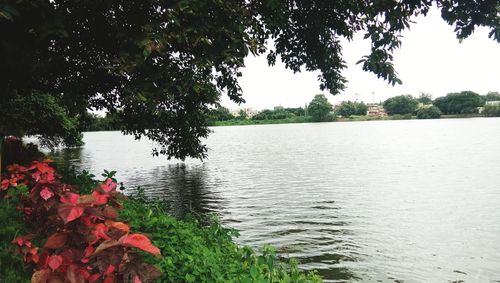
point(190, 278)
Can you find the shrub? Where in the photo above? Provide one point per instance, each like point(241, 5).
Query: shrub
point(73, 237)
point(431, 112)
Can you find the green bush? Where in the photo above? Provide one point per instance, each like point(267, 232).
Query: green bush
point(192, 253)
point(431, 112)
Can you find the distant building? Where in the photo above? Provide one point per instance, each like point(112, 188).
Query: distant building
point(376, 110)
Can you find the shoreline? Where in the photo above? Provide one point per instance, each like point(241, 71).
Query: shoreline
point(350, 119)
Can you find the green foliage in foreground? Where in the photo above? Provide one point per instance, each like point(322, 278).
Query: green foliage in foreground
point(12, 268)
point(431, 112)
point(192, 253)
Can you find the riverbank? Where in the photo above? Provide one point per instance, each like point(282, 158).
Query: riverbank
point(303, 119)
point(190, 251)
point(238, 122)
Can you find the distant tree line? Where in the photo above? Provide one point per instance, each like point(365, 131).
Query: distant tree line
point(93, 122)
point(320, 110)
point(457, 103)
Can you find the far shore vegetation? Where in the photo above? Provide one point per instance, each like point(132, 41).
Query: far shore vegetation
point(465, 104)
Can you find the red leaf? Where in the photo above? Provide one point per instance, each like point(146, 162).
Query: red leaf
point(100, 231)
point(54, 262)
point(100, 198)
point(137, 279)
point(50, 177)
point(108, 185)
point(46, 193)
point(70, 198)
point(109, 279)
point(69, 212)
point(141, 242)
point(35, 258)
point(111, 268)
point(56, 241)
point(94, 277)
point(88, 251)
point(86, 220)
point(5, 184)
point(19, 241)
point(23, 240)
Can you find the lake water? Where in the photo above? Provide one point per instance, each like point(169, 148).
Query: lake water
point(412, 200)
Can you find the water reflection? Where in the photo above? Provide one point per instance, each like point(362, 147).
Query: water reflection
point(69, 156)
point(184, 187)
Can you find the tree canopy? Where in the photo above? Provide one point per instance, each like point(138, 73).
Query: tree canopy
point(319, 108)
point(349, 108)
point(161, 66)
point(402, 104)
point(464, 102)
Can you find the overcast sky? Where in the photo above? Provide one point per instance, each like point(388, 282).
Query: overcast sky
point(431, 60)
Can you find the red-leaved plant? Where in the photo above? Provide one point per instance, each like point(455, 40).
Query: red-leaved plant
point(82, 241)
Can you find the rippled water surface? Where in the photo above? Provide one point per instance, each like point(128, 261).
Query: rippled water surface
point(383, 201)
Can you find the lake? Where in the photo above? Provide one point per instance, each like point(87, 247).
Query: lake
point(378, 201)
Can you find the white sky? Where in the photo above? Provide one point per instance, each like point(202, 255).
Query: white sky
point(430, 60)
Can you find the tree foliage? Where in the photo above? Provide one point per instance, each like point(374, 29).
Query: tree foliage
point(94, 122)
point(38, 113)
point(162, 65)
point(492, 96)
point(465, 102)
point(425, 98)
point(275, 114)
point(319, 108)
point(221, 114)
point(402, 104)
point(429, 112)
point(349, 108)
